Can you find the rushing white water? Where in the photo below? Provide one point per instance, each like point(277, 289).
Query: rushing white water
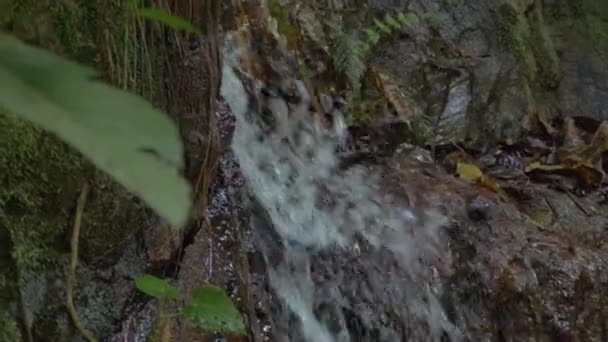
point(313, 208)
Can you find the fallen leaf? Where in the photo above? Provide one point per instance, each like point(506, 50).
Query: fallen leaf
point(469, 172)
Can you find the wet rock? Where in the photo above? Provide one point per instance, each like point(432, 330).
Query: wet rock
point(513, 280)
point(162, 241)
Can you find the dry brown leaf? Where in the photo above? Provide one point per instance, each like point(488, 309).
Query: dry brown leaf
point(572, 139)
point(586, 173)
point(450, 162)
point(391, 93)
point(598, 145)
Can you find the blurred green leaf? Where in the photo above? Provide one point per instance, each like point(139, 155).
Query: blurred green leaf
point(389, 20)
point(372, 36)
point(156, 287)
point(212, 309)
point(171, 20)
point(382, 27)
point(408, 19)
point(120, 132)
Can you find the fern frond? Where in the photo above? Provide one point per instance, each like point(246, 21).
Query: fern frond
point(384, 28)
point(372, 36)
point(390, 20)
point(408, 19)
point(433, 17)
point(348, 54)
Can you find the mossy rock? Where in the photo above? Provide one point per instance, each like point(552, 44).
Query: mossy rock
point(40, 182)
point(9, 330)
point(41, 177)
point(92, 298)
point(526, 37)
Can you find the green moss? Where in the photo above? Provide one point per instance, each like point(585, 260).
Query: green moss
point(284, 25)
point(549, 72)
point(526, 37)
point(9, 331)
point(595, 21)
point(514, 35)
point(359, 118)
point(69, 25)
point(111, 219)
point(40, 181)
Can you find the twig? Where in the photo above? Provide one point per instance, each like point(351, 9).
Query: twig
point(73, 261)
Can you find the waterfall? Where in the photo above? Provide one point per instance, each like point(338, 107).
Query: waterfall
point(317, 211)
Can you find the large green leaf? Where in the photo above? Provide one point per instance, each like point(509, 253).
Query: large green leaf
point(156, 287)
point(120, 132)
point(168, 19)
point(212, 309)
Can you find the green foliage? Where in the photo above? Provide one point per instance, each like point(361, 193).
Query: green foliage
point(171, 20)
point(525, 36)
point(156, 287)
point(349, 53)
point(9, 331)
point(121, 133)
point(211, 308)
point(284, 26)
point(40, 177)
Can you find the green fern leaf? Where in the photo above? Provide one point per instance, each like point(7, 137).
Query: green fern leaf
point(433, 17)
point(382, 27)
point(365, 47)
point(390, 21)
point(348, 53)
point(372, 36)
point(408, 19)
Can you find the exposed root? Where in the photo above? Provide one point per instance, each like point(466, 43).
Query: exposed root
point(73, 262)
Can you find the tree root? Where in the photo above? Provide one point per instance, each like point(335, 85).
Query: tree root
point(73, 262)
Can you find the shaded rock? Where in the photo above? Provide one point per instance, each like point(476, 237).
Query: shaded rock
point(162, 241)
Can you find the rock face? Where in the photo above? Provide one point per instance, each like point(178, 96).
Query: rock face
point(482, 68)
point(514, 280)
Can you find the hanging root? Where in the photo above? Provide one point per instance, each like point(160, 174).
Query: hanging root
point(73, 261)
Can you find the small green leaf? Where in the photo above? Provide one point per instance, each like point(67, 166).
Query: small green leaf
point(121, 133)
point(212, 309)
point(433, 17)
point(171, 20)
point(382, 27)
point(364, 47)
point(372, 36)
point(408, 19)
point(156, 287)
point(389, 20)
